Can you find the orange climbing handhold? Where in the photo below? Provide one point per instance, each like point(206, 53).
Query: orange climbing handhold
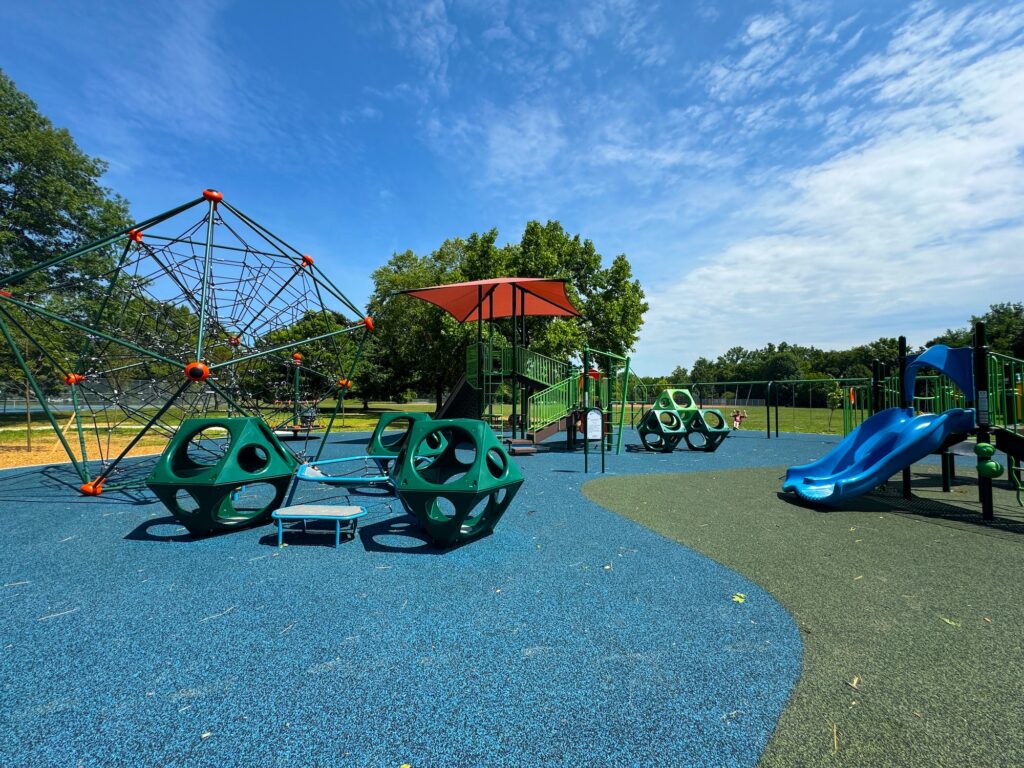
point(197, 371)
point(307, 260)
point(213, 195)
point(74, 378)
point(93, 487)
point(135, 235)
point(368, 322)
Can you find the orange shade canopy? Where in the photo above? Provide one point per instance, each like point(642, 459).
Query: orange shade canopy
point(490, 299)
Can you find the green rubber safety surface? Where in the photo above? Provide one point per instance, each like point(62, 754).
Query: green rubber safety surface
point(911, 612)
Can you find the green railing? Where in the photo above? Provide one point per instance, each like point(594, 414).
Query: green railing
point(497, 362)
point(538, 367)
point(932, 394)
point(1005, 391)
point(553, 403)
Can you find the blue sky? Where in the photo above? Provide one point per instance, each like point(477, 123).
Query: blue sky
point(804, 170)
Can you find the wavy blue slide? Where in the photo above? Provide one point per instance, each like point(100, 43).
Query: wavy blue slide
point(876, 450)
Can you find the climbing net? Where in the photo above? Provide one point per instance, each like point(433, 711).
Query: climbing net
point(198, 312)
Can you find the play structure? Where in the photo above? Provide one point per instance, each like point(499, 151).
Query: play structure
point(198, 311)
point(981, 398)
point(525, 396)
point(211, 474)
point(675, 417)
point(452, 475)
point(463, 491)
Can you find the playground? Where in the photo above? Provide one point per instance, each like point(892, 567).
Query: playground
point(598, 623)
point(558, 566)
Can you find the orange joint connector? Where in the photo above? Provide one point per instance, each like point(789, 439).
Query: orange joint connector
point(197, 371)
point(307, 260)
point(345, 383)
point(7, 294)
point(212, 195)
point(73, 378)
point(368, 322)
point(135, 235)
point(92, 488)
point(297, 359)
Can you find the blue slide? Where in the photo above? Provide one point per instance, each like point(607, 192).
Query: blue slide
point(876, 450)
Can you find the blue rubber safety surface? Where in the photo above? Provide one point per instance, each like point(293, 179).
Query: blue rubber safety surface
point(570, 636)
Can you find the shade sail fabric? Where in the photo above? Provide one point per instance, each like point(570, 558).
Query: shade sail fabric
point(473, 301)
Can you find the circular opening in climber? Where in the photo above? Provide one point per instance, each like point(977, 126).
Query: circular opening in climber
point(253, 458)
point(681, 399)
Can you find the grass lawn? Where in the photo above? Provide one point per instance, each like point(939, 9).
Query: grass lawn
point(912, 621)
point(46, 447)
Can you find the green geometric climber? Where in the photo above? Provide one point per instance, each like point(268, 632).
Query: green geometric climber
point(212, 473)
point(466, 489)
point(675, 417)
point(661, 430)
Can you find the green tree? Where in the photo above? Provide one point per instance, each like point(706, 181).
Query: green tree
point(421, 347)
point(1004, 330)
point(51, 201)
point(415, 345)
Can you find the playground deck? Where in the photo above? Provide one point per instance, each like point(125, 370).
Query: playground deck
point(572, 635)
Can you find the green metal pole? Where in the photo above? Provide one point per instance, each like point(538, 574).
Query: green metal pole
point(230, 400)
point(340, 398)
point(296, 416)
point(277, 242)
point(78, 425)
point(282, 348)
point(87, 329)
point(479, 352)
point(515, 362)
point(18, 276)
point(585, 411)
point(132, 443)
point(205, 288)
point(622, 413)
point(40, 397)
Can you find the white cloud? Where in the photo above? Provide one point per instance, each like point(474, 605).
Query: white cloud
point(422, 29)
point(915, 225)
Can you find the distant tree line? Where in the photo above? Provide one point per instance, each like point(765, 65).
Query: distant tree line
point(777, 362)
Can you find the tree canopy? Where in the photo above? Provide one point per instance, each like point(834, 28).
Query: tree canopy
point(420, 347)
point(777, 362)
point(51, 200)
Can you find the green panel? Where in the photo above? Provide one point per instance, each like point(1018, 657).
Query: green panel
point(463, 493)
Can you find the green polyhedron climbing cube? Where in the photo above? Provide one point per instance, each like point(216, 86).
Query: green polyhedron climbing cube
point(706, 430)
point(210, 464)
point(463, 492)
point(676, 400)
point(661, 429)
point(675, 417)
